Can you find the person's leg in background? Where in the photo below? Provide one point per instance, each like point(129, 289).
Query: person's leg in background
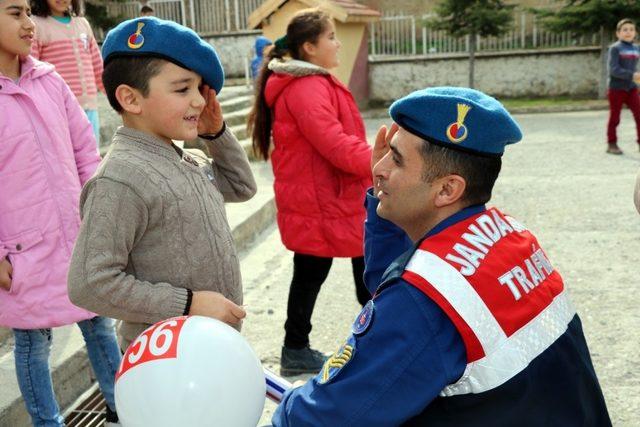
point(31, 352)
point(616, 99)
point(362, 293)
point(104, 355)
point(633, 102)
point(94, 119)
point(309, 273)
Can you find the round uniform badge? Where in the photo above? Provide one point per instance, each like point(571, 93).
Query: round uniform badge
point(364, 319)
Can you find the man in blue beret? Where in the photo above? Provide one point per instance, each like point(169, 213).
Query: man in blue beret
point(154, 241)
point(470, 323)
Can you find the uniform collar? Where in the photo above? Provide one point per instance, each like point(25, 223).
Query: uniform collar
point(453, 219)
point(397, 267)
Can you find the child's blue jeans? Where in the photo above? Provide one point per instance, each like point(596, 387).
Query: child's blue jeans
point(31, 353)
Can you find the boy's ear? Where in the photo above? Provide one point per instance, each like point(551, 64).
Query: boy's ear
point(129, 99)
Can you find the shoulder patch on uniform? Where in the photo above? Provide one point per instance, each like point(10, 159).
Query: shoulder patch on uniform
point(338, 361)
point(364, 319)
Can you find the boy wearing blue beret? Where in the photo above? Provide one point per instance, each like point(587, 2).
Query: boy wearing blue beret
point(470, 323)
point(154, 241)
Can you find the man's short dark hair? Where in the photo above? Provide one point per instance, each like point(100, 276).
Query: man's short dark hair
point(134, 71)
point(146, 9)
point(624, 22)
point(480, 173)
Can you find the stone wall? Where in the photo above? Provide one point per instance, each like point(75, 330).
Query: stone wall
point(233, 48)
point(421, 7)
point(524, 73)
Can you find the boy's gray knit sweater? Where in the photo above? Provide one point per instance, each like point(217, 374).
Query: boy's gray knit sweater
point(153, 226)
point(622, 61)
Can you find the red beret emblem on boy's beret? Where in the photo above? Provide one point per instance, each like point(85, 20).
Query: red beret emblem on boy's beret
point(136, 40)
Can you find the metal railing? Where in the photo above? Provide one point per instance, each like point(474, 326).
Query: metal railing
point(204, 16)
point(173, 10)
point(219, 16)
point(410, 35)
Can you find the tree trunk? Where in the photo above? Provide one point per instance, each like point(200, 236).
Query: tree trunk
point(472, 58)
point(604, 73)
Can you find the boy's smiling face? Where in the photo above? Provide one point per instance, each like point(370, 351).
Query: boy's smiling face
point(627, 33)
point(173, 105)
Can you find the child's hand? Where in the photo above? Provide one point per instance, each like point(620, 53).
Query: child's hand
point(211, 121)
point(6, 270)
point(636, 77)
point(214, 304)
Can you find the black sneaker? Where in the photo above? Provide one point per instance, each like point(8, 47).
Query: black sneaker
point(111, 419)
point(300, 361)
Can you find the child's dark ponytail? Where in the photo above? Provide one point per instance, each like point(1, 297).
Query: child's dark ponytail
point(305, 26)
point(259, 120)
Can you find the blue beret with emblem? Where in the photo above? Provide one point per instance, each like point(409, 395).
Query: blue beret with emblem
point(149, 36)
point(458, 118)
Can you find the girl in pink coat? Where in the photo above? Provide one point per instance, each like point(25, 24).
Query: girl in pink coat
point(321, 163)
point(47, 151)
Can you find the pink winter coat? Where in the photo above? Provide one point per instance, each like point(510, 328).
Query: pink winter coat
point(321, 161)
point(47, 151)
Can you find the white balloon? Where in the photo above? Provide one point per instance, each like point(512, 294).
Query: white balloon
point(188, 372)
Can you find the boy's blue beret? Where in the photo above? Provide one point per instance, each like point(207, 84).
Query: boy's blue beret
point(458, 118)
point(155, 37)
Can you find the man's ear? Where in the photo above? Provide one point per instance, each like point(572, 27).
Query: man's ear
point(129, 99)
point(450, 190)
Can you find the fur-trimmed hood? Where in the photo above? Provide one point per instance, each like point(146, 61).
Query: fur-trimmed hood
point(287, 70)
point(295, 67)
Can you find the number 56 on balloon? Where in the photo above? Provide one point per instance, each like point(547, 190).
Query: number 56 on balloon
point(159, 342)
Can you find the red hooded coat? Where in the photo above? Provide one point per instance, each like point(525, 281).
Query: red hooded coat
point(321, 161)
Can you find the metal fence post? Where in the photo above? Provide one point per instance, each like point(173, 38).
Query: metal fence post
point(183, 12)
point(192, 12)
point(372, 27)
point(236, 10)
point(227, 14)
point(523, 32)
point(413, 35)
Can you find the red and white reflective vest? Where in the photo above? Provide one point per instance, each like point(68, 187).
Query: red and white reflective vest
point(490, 276)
